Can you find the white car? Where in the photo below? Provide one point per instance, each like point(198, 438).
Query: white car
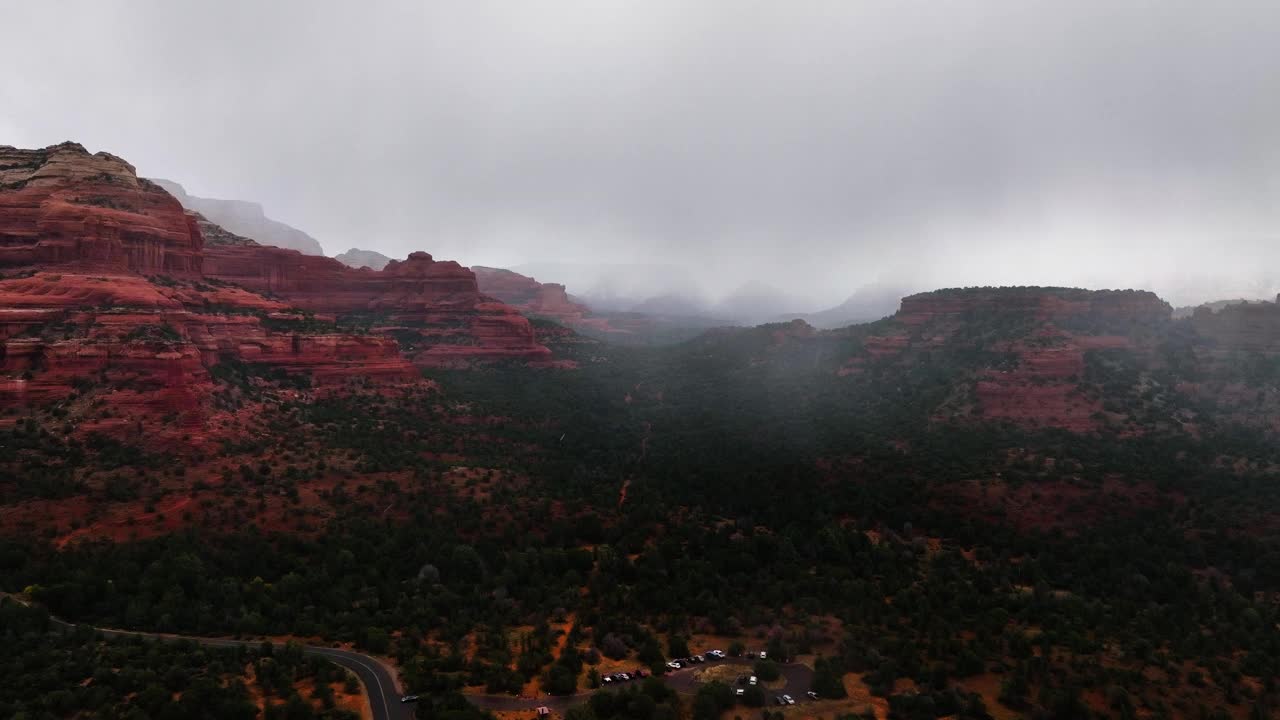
point(740, 692)
point(718, 654)
point(674, 665)
point(764, 655)
point(752, 680)
point(789, 700)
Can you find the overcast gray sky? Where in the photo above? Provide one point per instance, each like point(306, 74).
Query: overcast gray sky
point(816, 146)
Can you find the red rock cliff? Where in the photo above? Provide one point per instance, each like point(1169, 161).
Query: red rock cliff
point(150, 346)
point(439, 302)
point(63, 206)
point(530, 296)
point(1243, 327)
point(1042, 303)
point(1042, 334)
point(116, 296)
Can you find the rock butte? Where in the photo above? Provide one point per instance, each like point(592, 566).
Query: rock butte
point(549, 300)
point(1042, 389)
point(62, 206)
point(440, 300)
point(109, 281)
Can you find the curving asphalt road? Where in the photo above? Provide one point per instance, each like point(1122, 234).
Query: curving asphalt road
point(379, 685)
point(384, 696)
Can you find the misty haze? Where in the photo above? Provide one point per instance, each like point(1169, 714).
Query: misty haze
point(640, 360)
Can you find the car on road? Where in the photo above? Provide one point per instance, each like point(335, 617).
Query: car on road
point(409, 699)
point(778, 699)
point(717, 654)
point(752, 680)
point(812, 695)
point(788, 700)
point(764, 655)
point(697, 659)
point(740, 692)
point(674, 665)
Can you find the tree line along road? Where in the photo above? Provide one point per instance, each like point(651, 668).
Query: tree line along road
point(384, 696)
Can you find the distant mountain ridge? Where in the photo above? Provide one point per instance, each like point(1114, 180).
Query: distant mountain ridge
point(866, 305)
point(244, 218)
point(357, 258)
point(1213, 306)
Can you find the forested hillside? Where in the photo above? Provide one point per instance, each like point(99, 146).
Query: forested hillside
point(47, 672)
point(873, 496)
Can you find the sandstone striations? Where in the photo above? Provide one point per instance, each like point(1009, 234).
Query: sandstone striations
point(542, 300)
point(113, 302)
point(64, 206)
point(1035, 302)
point(150, 346)
point(435, 307)
point(1038, 353)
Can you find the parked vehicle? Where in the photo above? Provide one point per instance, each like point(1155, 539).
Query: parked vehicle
point(788, 700)
point(409, 699)
point(752, 680)
point(740, 692)
point(764, 655)
point(812, 695)
point(674, 665)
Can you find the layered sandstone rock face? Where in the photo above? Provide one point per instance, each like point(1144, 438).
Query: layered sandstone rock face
point(1243, 327)
point(546, 299)
point(1035, 345)
point(536, 299)
point(436, 305)
point(150, 347)
point(1040, 303)
point(63, 206)
point(110, 296)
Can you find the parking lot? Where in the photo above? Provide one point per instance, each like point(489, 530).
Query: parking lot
point(795, 681)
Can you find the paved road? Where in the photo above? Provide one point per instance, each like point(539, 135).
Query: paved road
point(384, 698)
point(799, 679)
point(379, 685)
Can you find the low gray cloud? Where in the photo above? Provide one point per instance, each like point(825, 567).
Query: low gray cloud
point(816, 146)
